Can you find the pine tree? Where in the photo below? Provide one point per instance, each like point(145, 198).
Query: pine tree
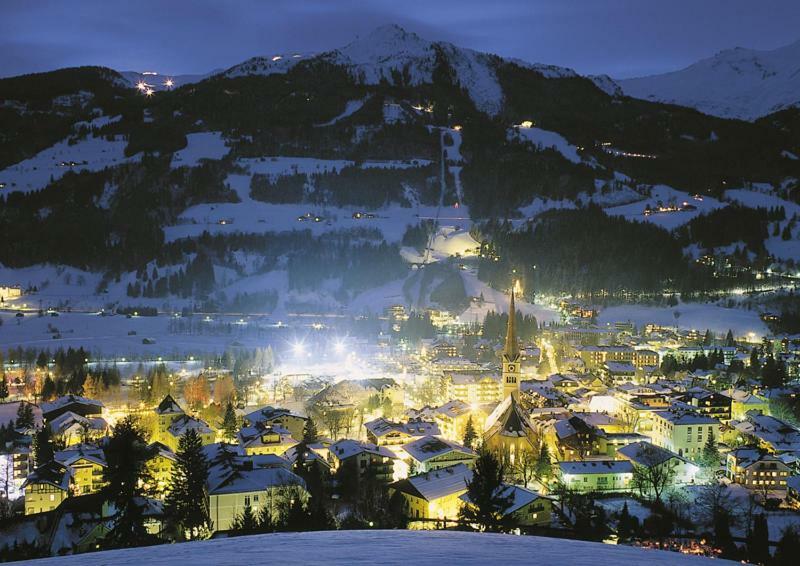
point(470, 436)
point(310, 434)
point(126, 476)
point(25, 418)
point(710, 457)
point(43, 446)
point(48, 389)
point(758, 541)
point(544, 465)
point(729, 341)
point(624, 524)
point(230, 424)
point(187, 500)
point(487, 503)
point(3, 389)
point(246, 522)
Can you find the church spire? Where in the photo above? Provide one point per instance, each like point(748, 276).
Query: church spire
point(511, 349)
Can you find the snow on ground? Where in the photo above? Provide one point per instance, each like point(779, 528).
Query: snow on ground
point(387, 547)
point(666, 196)
point(539, 205)
point(117, 335)
point(497, 301)
point(200, 145)
point(547, 139)
point(699, 316)
point(89, 154)
point(782, 249)
point(350, 108)
point(259, 217)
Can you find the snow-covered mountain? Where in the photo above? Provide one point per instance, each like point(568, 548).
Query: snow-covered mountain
point(159, 81)
point(735, 83)
point(390, 52)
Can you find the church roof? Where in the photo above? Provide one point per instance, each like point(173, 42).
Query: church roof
point(508, 419)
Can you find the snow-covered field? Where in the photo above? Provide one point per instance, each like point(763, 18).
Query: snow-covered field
point(700, 316)
point(666, 196)
point(547, 139)
point(52, 163)
point(382, 547)
point(200, 145)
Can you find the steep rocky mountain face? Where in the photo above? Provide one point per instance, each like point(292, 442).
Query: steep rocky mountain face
point(736, 83)
point(332, 172)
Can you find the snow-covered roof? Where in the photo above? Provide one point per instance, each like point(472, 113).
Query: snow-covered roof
point(169, 406)
point(78, 452)
point(68, 400)
point(68, 419)
point(414, 427)
point(520, 497)
point(256, 479)
point(685, 417)
point(51, 473)
point(184, 423)
point(596, 467)
point(269, 413)
point(347, 448)
point(429, 447)
point(436, 484)
point(647, 454)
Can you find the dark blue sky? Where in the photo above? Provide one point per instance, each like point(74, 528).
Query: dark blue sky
point(619, 37)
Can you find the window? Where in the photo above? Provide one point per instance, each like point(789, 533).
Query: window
point(246, 500)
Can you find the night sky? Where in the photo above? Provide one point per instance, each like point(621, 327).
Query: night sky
point(622, 38)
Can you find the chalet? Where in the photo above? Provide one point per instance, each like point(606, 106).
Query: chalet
point(46, 487)
point(755, 469)
point(361, 457)
point(184, 423)
point(431, 453)
point(384, 432)
point(435, 494)
point(86, 464)
point(265, 439)
point(72, 428)
point(284, 418)
point(72, 403)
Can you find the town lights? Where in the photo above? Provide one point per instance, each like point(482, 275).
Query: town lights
point(338, 346)
point(298, 348)
point(142, 86)
point(169, 83)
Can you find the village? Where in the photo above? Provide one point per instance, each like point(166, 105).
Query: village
point(653, 436)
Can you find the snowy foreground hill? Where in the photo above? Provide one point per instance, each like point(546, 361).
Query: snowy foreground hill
point(735, 83)
point(384, 547)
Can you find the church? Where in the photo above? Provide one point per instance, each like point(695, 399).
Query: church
point(508, 430)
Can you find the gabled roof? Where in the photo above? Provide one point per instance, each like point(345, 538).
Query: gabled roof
point(508, 419)
point(269, 413)
point(78, 452)
point(347, 448)
point(647, 454)
point(520, 497)
point(746, 456)
point(67, 400)
point(429, 447)
point(51, 473)
point(256, 479)
point(414, 427)
point(169, 406)
point(436, 484)
point(68, 419)
point(183, 423)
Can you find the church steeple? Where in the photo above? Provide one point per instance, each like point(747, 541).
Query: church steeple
point(511, 355)
point(511, 349)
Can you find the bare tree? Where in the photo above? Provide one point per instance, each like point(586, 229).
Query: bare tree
point(652, 472)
